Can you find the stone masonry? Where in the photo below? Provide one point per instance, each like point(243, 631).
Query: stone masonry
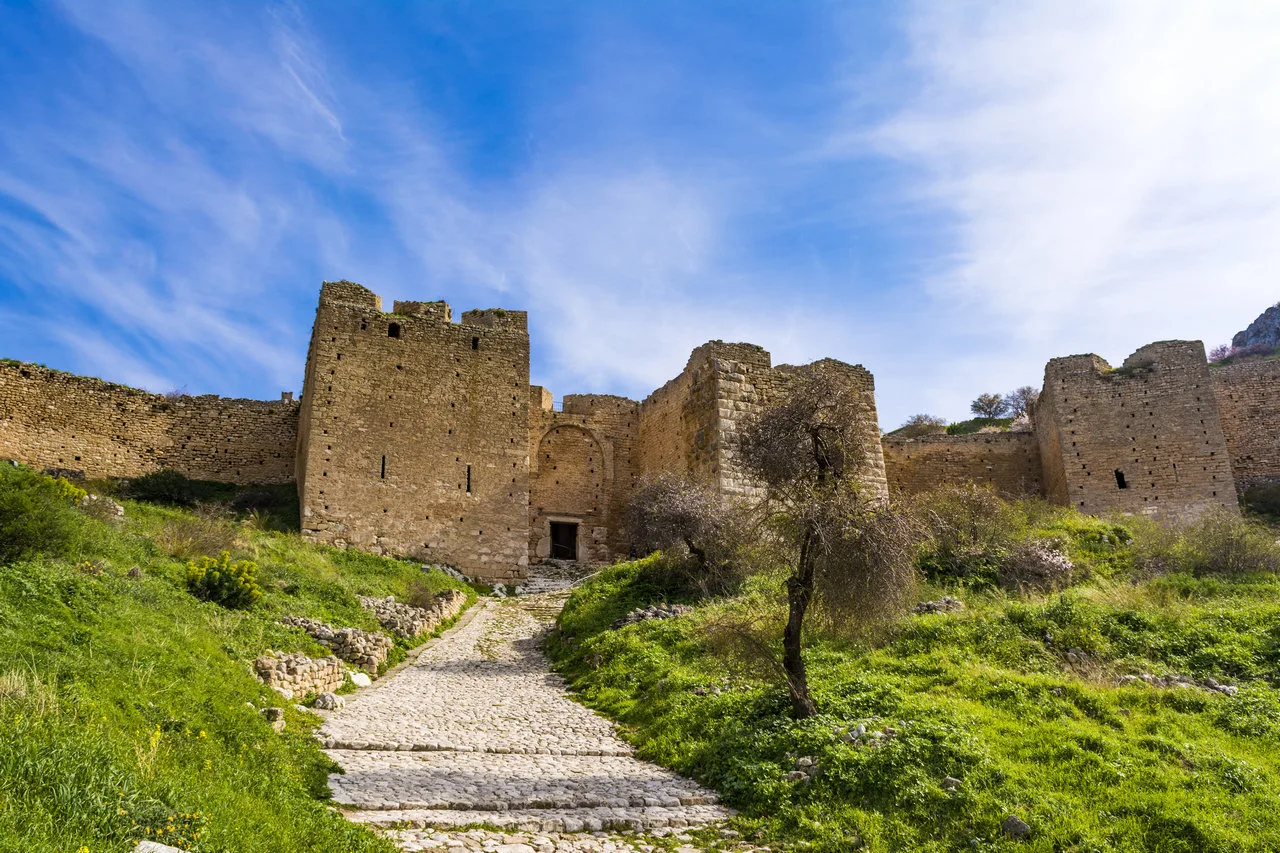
point(51, 419)
point(420, 436)
point(294, 675)
point(365, 649)
point(1145, 437)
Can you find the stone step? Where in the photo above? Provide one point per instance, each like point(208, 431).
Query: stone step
point(546, 820)
point(341, 744)
point(399, 781)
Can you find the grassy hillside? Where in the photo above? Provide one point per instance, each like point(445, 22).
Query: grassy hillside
point(128, 708)
point(1015, 698)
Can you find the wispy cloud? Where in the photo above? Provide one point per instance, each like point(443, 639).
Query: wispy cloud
point(1111, 171)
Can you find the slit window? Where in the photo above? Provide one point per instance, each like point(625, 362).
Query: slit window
point(393, 330)
point(475, 343)
point(384, 468)
point(468, 479)
point(1120, 483)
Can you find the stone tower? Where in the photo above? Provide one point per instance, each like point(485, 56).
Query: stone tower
point(413, 434)
point(1144, 438)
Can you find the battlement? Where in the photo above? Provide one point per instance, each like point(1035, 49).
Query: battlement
point(497, 318)
point(349, 293)
point(438, 310)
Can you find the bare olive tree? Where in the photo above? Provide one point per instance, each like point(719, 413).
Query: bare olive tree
point(689, 522)
point(1021, 399)
point(806, 450)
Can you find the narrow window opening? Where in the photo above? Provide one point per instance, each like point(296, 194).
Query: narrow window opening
point(1120, 479)
point(468, 479)
point(475, 343)
point(384, 467)
point(393, 330)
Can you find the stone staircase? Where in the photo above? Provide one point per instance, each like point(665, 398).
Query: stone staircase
point(478, 730)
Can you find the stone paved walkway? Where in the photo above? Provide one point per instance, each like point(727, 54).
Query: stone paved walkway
point(478, 730)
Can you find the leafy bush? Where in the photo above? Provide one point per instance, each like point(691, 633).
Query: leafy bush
point(232, 585)
point(163, 486)
point(36, 514)
point(1220, 543)
point(1264, 499)
point(978, 425)
point(971, 532)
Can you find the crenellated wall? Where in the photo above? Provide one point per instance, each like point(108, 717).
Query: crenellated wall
point(415, 432)
point(51, 419)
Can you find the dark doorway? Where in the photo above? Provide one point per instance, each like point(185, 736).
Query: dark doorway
point(1120, 479)
point(564, 540)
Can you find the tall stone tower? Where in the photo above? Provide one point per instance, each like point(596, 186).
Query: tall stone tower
point(413, 433)
point(1145, 437)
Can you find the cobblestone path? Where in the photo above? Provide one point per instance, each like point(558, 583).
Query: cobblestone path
point(478, 730)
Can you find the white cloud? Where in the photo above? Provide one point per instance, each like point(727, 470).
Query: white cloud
point(1111, 172)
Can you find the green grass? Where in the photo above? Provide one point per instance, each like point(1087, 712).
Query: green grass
point(975, 424)
point(125, 702)
point(984, 695)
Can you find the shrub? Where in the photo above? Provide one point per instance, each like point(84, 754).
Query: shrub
point(1222, 543)
point(703, 537)
point(164, 486)
point(1036, 565)
point(207, 531)
point(918, 425)
point(1264, 499)
point(36, 514)
point(232, 585)
point(971, 532)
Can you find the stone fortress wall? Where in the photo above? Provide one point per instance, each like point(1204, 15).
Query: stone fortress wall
point(1145, 437)
point(415, 432)
point(1248, 395)
point(422, 436)
point(51, 419)
point(1009, 462)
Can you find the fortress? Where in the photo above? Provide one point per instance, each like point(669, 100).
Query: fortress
point(417, 435)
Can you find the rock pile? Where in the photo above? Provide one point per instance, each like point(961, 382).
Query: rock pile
point(869, 733)
point(295, 675)
point(103, 509)
point(409, 621)
point(653, 611)
point(1166, 681)
point(366, 649)
point(946, 604)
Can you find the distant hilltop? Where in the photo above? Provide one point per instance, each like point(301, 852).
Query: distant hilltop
point(1262, 332)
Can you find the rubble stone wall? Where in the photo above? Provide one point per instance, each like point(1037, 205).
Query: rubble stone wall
point(51, 419)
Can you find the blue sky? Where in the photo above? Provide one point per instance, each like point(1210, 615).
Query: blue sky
point(948, 193)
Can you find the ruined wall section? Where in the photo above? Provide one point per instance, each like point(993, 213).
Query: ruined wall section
point(416, 436)
point(51, 419)
point(693, 424)
point(581, 471)
point(1248, 396)
point(871, 474)
point(1142, 438)
point(676, 430)
point(1009, 462)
